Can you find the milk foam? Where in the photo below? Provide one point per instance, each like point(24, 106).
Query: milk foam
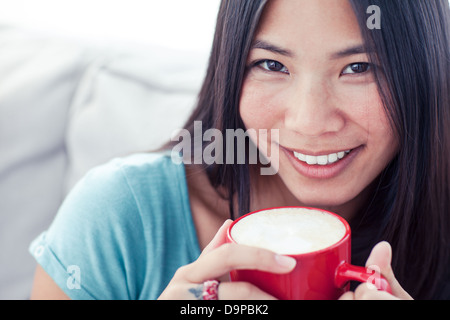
point(289, 230)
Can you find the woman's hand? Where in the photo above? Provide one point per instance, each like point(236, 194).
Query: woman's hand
point(216, 261)
point(380, 256)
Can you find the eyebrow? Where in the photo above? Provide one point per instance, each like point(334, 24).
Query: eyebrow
point(260, 44)
point(357, 49)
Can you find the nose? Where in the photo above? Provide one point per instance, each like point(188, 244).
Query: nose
point(311, 110)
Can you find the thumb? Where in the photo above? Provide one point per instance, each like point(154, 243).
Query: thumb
point(380, 259)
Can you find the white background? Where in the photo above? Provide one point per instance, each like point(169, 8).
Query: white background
point(185, 24)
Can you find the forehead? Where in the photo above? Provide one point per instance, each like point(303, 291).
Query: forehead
point(309, 23)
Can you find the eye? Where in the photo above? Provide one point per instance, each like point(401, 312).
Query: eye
point(273, 66)
point(356, 68)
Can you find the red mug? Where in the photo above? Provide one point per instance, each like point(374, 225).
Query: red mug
point(318, 275)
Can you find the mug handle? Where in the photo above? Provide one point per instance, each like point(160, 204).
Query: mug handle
point(346, 272)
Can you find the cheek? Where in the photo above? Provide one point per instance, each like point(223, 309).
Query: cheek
point(375, 119)
point(258, 108)
point(358, 105)
point(364, 109)
point(371, 122)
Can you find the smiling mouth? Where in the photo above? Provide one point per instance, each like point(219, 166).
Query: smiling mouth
point(322, 160)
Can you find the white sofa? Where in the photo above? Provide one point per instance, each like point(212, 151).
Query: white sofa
point(66, 106)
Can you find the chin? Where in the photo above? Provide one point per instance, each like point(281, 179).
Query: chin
point(324, 200)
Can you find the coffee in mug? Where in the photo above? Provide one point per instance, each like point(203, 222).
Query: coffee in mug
point(319, 241)
point(289, 230)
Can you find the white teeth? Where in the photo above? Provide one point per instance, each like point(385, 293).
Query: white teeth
point(301, 157)
point(321, 160)
point(311, 160)
point(333, 157)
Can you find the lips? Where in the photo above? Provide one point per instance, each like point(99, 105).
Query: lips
point(322, 160)
point(322, 165)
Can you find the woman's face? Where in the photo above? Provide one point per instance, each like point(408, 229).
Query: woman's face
point(309, 77)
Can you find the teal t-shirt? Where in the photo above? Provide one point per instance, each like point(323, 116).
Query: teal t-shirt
point(122, 232)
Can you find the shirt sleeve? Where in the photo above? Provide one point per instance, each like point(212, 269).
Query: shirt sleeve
point(95, 247)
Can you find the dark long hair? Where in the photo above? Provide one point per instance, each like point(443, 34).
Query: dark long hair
point(412, 47)
point(411, 205)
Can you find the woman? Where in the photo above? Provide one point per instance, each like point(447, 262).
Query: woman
point(362, 115)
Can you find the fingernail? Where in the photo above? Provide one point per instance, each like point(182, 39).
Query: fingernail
point(285, 261)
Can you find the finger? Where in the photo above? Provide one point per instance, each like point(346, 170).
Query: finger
point(347, 296)
point(242, 291)
point(226, 291)
point(219, 238)
point(381, 257)
point(233, 256)
point(183, 291)
point(366, 291)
